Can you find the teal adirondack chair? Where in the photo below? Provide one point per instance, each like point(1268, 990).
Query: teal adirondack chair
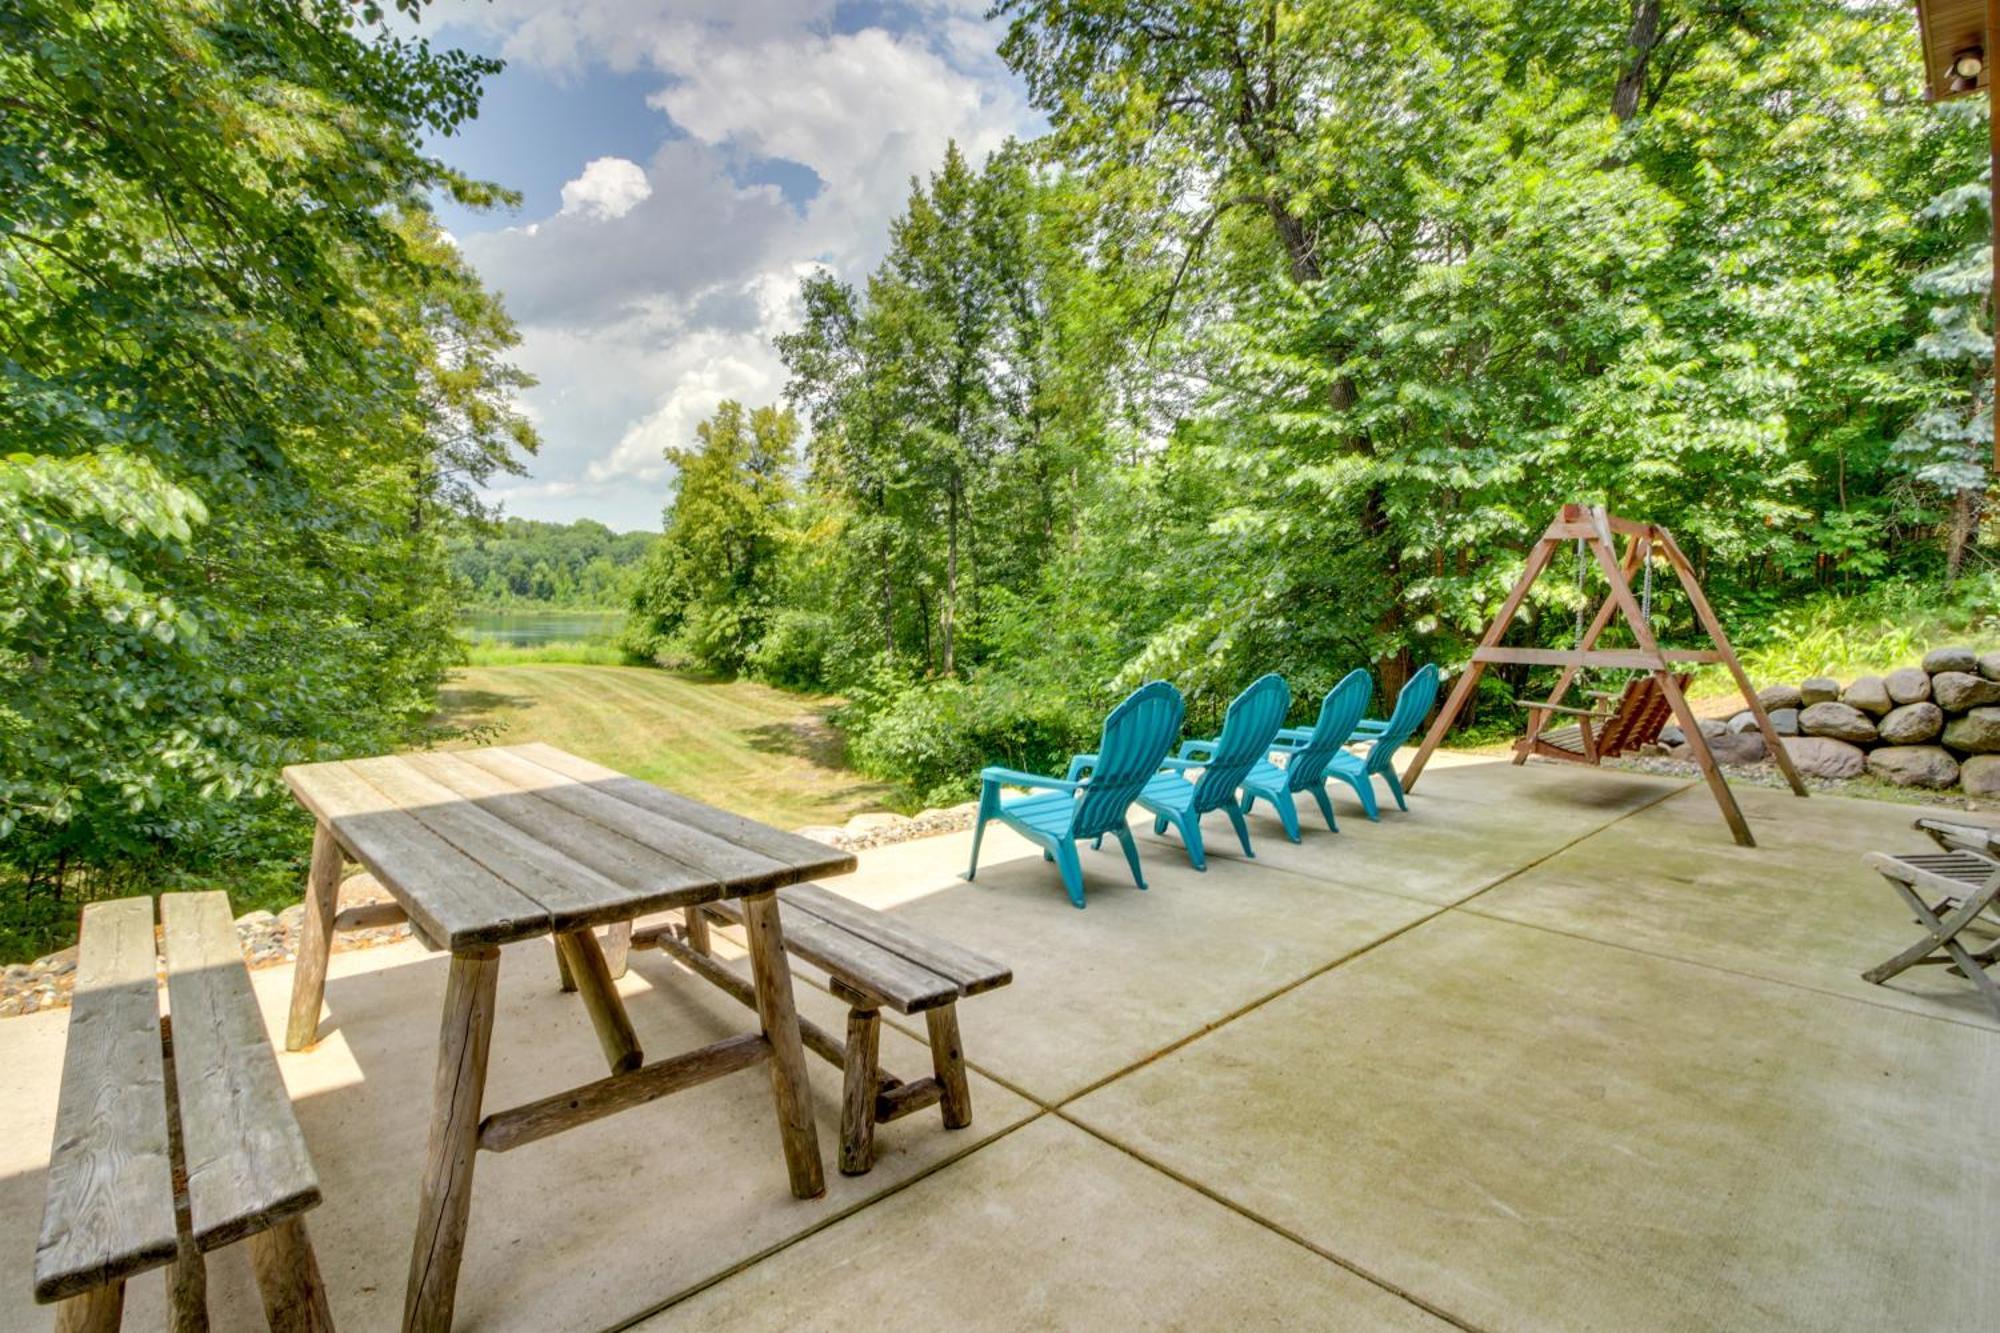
point(1092, 800)
point(1413, 704)
point(1253, 718)
point(1307, 754)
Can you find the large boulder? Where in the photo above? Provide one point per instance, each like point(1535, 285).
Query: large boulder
point(1818, 690)
point(1913, 765)
point(1912, 724)
point(1960, 691)
point(1778, 696)
point(1785, 721)
point(1869, 694)
point(1950, 659)
point(1821, 757)
point(1989, 665)
point(1736, 747)
point(1978, 732)
point(1837, 720)
point(1908, 686)
point(1743, 721)
point(1981, 776)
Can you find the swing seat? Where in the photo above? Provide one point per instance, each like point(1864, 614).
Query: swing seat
point(1637, 719)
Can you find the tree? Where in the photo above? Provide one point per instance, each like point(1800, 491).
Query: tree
point(237, 368)
point(710, 583)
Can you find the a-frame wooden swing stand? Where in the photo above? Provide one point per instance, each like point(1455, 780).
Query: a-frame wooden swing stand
point(1644, 542)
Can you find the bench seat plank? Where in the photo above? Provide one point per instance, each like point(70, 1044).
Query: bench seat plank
point(110, 1210)
point(247, 1167)
point(856, 959)
point(970, 972)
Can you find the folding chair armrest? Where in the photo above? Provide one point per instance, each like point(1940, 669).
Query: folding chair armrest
point(1955, 837)
point(1014, 777)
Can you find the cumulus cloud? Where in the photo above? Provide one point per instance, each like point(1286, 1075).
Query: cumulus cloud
point(654, 292)
point(610, 187)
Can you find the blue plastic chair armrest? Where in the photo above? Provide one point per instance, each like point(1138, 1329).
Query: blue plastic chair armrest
point(1296, 735)
point(1078, 763)
point(1015, 777)
point(1369, 726)
point(1188, 748)
point(1184, 764)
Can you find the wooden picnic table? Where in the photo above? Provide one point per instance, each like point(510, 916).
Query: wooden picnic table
point(481, 848)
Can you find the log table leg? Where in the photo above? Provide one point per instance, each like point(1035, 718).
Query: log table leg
point(315, 939)
point(288, 1279)
point(780, 1018)
point(584, 960)
point(463, 1045)
point(98, 1310)
point(617, 945)
point(697, 928)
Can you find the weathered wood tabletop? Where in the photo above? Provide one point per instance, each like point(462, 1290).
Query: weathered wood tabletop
point(486, 847)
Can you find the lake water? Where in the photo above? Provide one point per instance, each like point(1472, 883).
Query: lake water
point(525, 629)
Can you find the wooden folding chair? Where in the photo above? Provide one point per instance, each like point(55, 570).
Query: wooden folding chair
point(1963, 878)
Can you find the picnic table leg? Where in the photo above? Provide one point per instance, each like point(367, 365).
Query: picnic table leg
point(697, 928)
point(95, 1311)
point(617, 944)
point(315, 939)
point(583, 959)
point(780, 1018)
point(464, 1042)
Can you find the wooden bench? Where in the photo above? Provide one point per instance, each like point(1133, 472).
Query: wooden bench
point(172, 1138)
point(872, 961)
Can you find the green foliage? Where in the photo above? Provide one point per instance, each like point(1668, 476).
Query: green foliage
point(1891, 625)
point(244, 385)
point(708, 585)
point(521, 562)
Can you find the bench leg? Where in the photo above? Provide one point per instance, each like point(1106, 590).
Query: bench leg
point(948, 1062)
point(187, 1289)
point(463, 1045)
point(777, 1012)
point(96, 1311)
point(859, 1077)
point(315, 939)
point(288, 1278)
point(583, 958)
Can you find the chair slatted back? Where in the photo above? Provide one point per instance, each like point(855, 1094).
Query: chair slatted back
point(1642, 713)
point(1248, 729)
point(1337, 718)
point(1413, 705)
point(1137, 735)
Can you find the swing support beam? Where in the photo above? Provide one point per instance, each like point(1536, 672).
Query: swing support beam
point(1598, 530)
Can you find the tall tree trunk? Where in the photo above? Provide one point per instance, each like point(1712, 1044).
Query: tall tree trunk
point(1640, 43)
point(949, 610)
point(888, 599)
point(1965, 515)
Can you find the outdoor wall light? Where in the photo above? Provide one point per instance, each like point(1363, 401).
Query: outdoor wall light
point(1966, 67)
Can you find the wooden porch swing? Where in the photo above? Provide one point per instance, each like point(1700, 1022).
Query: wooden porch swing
point(1649, 699)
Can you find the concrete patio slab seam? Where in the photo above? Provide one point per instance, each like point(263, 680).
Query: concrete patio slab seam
point(1739, 973)
point(1339, 961)
point(861, 1205)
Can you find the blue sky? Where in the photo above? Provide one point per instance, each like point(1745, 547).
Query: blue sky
point(683, 163)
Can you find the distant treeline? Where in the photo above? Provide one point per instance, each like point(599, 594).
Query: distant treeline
point(522, 562)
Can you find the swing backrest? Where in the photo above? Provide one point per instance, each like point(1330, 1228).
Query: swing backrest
point(1642, 713)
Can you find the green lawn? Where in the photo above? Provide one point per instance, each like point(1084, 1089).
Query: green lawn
point(746, 747)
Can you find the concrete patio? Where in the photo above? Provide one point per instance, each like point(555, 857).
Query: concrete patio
point(1548, 1051)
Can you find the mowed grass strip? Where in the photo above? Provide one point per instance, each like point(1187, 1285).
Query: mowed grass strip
point(746, 747)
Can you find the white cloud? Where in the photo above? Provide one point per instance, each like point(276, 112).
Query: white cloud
point(655, 291)
point(610, 187)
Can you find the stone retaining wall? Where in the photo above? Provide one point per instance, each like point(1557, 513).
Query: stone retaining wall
point(1935, 726)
